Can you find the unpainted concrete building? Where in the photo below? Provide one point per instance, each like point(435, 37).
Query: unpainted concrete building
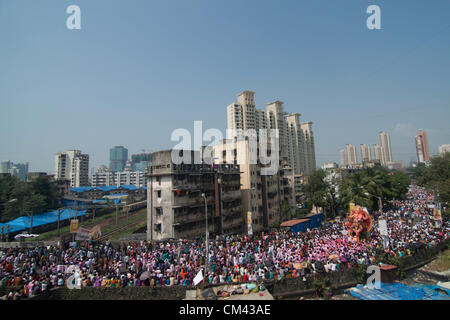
point(177, 194)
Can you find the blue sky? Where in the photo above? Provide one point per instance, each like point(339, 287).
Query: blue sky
point(137, 70)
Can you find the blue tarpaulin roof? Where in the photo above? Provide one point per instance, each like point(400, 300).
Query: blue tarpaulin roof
point(23, 223)
point(129, 187)
point(398, 291)
point(99, 201)
point(107, 188)
point(81, 189)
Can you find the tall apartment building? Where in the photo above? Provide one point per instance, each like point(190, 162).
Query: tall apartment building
point(444, 148)
point(109, 178)
point(262, 195)
point(344, 158)
point(176, 207)
point(296, 140)
point(276, 120)
point(351, 156)
point(309, 147)
point(296, 145)
point(378, 153)
point(366, 153)
point(103, 178)
point(385, 143)
point(136, 178)
point(118, 157)
point(423, 153)
point(74, 166)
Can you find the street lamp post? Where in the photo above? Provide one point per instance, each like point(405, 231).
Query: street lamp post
point(381, 209)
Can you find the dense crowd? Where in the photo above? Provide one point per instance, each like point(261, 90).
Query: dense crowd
point(232, 259)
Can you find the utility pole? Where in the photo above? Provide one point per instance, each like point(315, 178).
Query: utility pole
point(59, 219)
point(207, 235)
point(116, 213)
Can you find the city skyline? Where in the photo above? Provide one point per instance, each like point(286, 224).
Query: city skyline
point(62, 89)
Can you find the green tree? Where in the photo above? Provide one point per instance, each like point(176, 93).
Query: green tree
point(320, 191)
point(286, 212)
point(33, 203)
point(47, 188)
point(365, 187)
point(435, 177)
point(15, 196)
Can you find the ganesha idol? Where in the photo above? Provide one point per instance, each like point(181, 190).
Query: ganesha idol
point(359, 223)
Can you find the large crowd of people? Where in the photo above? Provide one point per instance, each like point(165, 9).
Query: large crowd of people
point(232, 259)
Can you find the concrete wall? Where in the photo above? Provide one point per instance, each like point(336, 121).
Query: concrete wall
point(126, 293)
point(29, 244)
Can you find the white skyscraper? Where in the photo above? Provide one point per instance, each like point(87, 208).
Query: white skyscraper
point(296, 145)
point(344, 160)
point(296, 139)
point(309, 147)
point(366, 154)
point(351, 155)
point(74, 166)
point(385, 142)
point(378, 153)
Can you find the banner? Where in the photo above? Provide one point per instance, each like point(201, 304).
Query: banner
point(198, 278)
point(74, 226)
point(249, 223)
point(437, 214)
point(382, 227)
point(95, 232)
point(88, 234)
point(82, 234)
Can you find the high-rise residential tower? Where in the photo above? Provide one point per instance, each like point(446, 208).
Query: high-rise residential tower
point(344, 160)
point(74, 166)
point(377, 153)
point(423, 153)
point(296, 139)
point(309, 147)
point(385, 142)
point(352, 158)
point(366, 154)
